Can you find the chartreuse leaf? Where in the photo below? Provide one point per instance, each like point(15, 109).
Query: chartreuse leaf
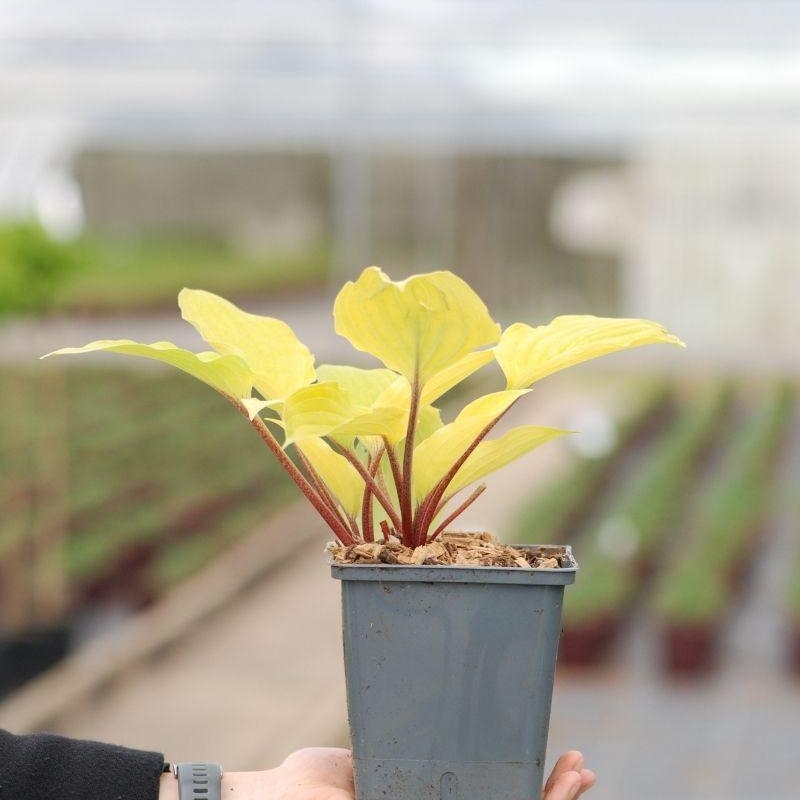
point(255, 406)
point(428, 422)
point(398, 391)
point(280, 362)
point(443, 381)
point(437, 454)
point(366, 388)
point(228, 374)
point(362, 387)
point(417, 327)
point(489, 456)
point(323, 409)
point(528, 354)
point(339, 475)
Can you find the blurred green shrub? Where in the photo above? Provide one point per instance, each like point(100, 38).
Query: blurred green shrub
point(32, 267)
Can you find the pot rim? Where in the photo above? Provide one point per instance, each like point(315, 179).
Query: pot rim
point(458, 573)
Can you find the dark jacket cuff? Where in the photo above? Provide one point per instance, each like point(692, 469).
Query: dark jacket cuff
point(46, 766)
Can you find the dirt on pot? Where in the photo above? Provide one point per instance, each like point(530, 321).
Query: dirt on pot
point(454, 549)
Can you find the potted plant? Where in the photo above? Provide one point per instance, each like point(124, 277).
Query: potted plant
point(692, 606)
point(450, 640)
point(623, 549)
point(794, 626)
point(593, 617)
point(698, 588)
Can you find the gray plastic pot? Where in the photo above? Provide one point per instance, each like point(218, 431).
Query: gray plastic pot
point(449, 678)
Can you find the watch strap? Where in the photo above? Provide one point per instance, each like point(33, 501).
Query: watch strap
point(198, 780)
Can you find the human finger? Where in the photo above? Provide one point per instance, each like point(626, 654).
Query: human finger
point(571, 761)
point(588, 779)
point(566, 786)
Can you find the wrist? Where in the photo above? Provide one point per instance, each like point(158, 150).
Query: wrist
point(168, 787)
point(255, 785)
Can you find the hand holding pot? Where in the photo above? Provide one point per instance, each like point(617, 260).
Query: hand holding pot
point(569, 779)
point(326, 773)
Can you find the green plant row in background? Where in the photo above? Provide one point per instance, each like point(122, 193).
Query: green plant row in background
point(619, 551)
point(100, 274)
point(794, 592)
point(139, 469)
point(557, 512)
point(697, 586)
point(793, 587)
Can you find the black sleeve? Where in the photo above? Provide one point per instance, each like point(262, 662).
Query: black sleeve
point(43, 766)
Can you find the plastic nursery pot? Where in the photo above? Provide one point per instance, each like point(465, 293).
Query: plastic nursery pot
point(690, 650)
point(449, 673)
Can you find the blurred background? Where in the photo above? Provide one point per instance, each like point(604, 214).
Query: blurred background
point(580, 156)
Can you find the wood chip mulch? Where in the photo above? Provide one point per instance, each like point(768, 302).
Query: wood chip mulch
point(453, 549)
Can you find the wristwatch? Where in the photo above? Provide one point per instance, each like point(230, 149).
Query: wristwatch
point(197, 780)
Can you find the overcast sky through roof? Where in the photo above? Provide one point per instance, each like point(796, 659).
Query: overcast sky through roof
point(584, 73)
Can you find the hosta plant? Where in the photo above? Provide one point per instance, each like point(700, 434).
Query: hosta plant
point(372, 453)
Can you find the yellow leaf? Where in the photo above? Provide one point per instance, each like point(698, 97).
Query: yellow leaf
point(339, 475)
point(397, 393)
point(528, 354)
point(491, 404)
point(226, 373)
point(417, 327)
point(361, 386)
point(386, 421)
point(436, 455)
point(280, 362)
point(324, 410)
point(489, 456)
point(428, 422)
point(254, 406)
point(451, 376)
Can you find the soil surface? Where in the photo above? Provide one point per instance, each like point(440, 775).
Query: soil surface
point(455, 549)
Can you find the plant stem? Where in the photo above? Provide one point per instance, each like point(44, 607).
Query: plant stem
point(380, 496)
point(382, 483)
point(406, 511)
point(325, 494)
point(351, 521)
point(427, 511)
point(366, 516)
point(366, 503)
point(460, 510)
point(335, 524)
point(397, 476)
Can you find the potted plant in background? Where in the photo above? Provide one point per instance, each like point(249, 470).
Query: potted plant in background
point(450, 639)
point(794, 626)
point(697, 588)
